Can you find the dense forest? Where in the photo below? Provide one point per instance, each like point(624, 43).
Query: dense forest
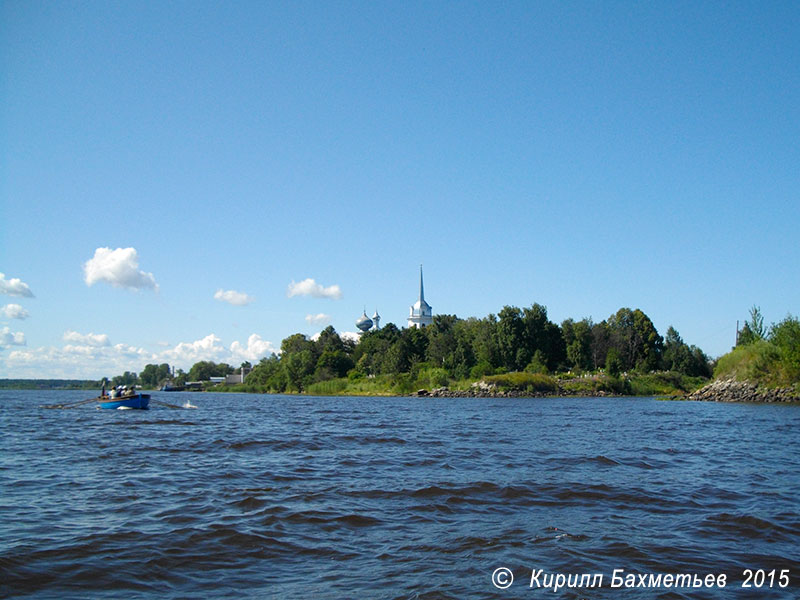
point(453, 349)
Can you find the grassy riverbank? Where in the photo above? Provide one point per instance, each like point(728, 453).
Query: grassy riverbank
point(665, 383)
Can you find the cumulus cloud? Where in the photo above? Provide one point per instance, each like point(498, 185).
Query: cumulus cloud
point(91, 356)
point(309, 287)
point(118, 267)
point(11, 338)
point(318, 319)
point(350, 335)
point(188, 353)
point(89, 339)
point(255, 350)
point(14, 311)
point(232, 297)
point(77, 360)
point(14, 287)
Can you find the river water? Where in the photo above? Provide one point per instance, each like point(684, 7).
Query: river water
point(254, 496)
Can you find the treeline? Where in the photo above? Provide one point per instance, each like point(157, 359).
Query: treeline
point(48, 384)
point(451, 348)
point(154, 376)
point(765, 355)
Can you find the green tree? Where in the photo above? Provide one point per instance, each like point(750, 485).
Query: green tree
point(600, 344)
point(482, 334)
point(206, 369)
point(296, 343)
point(510, 335)
point(370, 354)
point(267, 375)
point(680, 357)
point(329, 340)
point(753, 329)
point(299, 368)
point(543, 336)
point(332, 364)
point(676, 356)
point(577, 338)
point(613, 362)
point(636, 339)
point(463, 356)
point(153, 375)
point(442, 341)
point(786, 337)
point(538, 363)
point(127, 378)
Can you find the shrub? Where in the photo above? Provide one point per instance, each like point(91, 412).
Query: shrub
point(433, 377)
point(403, 384)
point(330, 387)
point(757, 361)
point(664, 383)
point(521, 381)
point(482, 369)
point(786, 337)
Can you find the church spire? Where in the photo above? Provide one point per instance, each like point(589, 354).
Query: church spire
point(421, 313)
point(421, 288)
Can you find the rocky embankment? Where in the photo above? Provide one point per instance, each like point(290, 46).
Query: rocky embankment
point(731, 390)
point(478, 390)
point(481, 389)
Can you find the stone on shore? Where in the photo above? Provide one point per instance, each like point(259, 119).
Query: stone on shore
point(731, 390)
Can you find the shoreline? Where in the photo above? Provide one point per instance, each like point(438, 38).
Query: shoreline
point(720, 390)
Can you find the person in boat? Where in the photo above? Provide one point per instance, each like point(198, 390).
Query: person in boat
point(114, 393)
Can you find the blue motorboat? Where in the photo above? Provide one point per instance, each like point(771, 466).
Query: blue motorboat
point(136, 401)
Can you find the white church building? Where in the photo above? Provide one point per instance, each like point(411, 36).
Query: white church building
point(421, 312)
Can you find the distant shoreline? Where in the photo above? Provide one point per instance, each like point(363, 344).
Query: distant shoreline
point(49, 384)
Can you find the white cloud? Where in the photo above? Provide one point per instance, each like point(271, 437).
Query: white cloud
point(89, 339)
point(350, 335)
point(309, 287)
point(318, 319)
point(14, 311)
point(14, 287)
point(82, 356)
point(188, 353)
point(234, 298)
point(118, 267)
point(255, 350)
point(77, 361)
point(11, 338)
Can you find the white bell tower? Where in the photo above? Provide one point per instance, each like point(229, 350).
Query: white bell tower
point(421, 312)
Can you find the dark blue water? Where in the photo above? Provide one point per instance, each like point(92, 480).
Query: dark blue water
point(295, 497)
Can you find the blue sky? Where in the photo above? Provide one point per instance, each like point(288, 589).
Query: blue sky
point(583, 155)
